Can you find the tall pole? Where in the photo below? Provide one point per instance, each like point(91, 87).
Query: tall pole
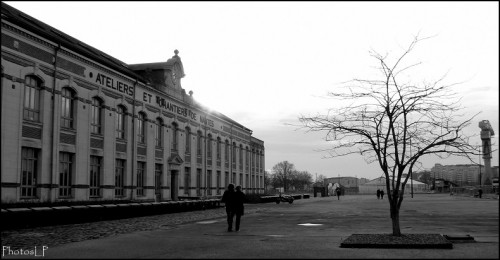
point(479, 165)
point(411, 176)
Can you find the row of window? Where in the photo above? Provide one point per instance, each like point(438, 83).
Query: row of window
point(32, 113)
point(30, 175)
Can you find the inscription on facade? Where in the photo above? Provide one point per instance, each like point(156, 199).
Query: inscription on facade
point(116, 85)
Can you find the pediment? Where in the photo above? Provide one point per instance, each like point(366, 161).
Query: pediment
point(175, 159)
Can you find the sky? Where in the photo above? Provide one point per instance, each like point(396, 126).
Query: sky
point(264, 64)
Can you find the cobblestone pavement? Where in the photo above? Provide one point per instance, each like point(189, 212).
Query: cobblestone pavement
point(62, 234)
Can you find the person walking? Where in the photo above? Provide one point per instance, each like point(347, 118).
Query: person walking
point(338, 193)
point(381, 194)
point(378, 193)
point(240, 199)
point(229, 199)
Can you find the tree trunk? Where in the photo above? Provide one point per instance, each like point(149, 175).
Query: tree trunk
point(396, 230)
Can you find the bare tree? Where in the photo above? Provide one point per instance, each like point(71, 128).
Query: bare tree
point(283, 173)
point(394, 123)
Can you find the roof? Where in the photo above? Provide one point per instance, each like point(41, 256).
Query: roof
point(381, 181)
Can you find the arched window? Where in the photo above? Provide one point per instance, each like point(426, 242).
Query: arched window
point(226, 151)
point(67, 108)
point(158, 132)
point(188, 140)
point(199, 144)
point(32, 99)
point(96, 121)
point(141, 125)
point(120, 121)
point(218, 148)
point(174, 137)
point(209, 146)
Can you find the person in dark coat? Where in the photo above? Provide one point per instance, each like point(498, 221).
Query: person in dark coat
point(381, 194)
point(338, 193)
point(239, 207)
point(378, 193)
point(229, 199)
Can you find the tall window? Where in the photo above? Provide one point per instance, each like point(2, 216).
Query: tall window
point(158, 132)
point(119, 178)
point(241, 180)
point(233, 156)
point(67, 108)
point(209, 146)
point(209, 182)
point(95, 176)
point(141, 170)
point(29, 172)
point(65, 173)
point(247, 160)
point(218, 182)
point(96, 110)
point(241, 157)
point(218, 148)
point(226, 179)
point(187, 179)
point(199, 144)
point(226, 154)
point(120, 122)
point(174, 137)
point(141, 131)
point(158, 178)
point(198, 182)
point(188, 140)
point(32, 99)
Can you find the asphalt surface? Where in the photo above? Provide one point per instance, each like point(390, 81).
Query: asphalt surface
point(308, 228)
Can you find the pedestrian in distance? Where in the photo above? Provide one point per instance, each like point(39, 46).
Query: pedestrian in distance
point(480, 191)
point(229, 199)
point(338, 193)
point(378, 193)
point(240, 199)
point(381, 194)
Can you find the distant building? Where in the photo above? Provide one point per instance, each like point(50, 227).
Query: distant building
point(461, 174)
point(380, 183)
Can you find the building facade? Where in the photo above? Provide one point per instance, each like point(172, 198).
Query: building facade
point(80, 125)
point(462, 174)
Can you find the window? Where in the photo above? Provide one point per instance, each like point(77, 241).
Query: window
point(65, 174)
point(218, 182)
point(241, 180)
point(32, 99)
point(158, 177)
point(29, 172)
point(119, 178)
point(199, 144)
point(141, 168)
point(218, 150)
point(95, 176)
point(247, 161)
point(241, 157)
point(226, 154)
point(141, 131)
point(187, 180)
point(120, 122)
point(158, 132)
point(209, 182)
point(174, 138)
point(226, 179)
point(96, 110)
point(209, 150)
point(67, 108)
point(188, 140)
point(233, 156)
point(198, 182)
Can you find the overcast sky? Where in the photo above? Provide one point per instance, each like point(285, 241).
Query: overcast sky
point(265, 63)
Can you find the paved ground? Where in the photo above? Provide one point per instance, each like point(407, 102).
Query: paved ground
point(308, 228)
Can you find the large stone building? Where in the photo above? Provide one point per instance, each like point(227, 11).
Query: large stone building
point(80, 125)
point(462, 174)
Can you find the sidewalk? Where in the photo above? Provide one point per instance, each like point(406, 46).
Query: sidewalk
point(308, 228)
